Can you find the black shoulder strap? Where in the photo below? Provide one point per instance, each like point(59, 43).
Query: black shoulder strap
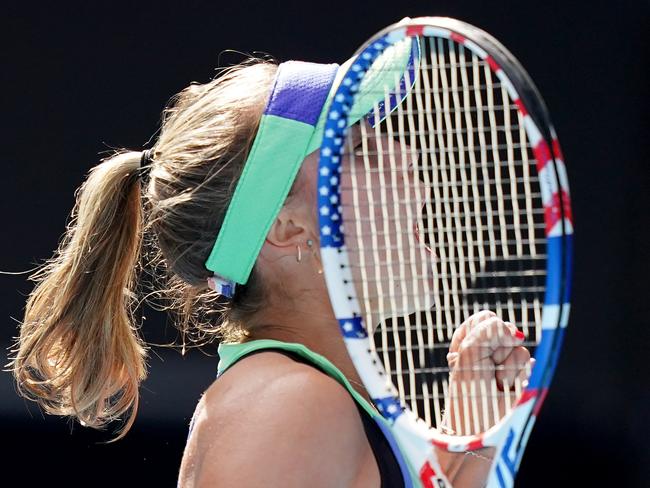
point(389, 469)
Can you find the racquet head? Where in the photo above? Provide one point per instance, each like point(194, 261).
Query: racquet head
point(449, 197)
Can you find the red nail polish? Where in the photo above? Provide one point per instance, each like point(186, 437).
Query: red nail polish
point(520, 335)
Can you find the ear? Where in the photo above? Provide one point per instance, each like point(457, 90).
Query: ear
point(297, 221)
point(288, 230)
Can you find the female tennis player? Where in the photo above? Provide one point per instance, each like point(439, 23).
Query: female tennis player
point(280, 412)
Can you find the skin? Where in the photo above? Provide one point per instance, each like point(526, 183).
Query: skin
point(270, 421)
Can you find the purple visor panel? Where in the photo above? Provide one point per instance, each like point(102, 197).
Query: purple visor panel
point(300, 91)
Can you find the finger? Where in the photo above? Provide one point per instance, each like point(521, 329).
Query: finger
point(527, 372)
point(524, 374)
point(452, 360)
point(461, 332)
point(501, 353)
point(515, 331)
point(487, 337)
point(512, 368)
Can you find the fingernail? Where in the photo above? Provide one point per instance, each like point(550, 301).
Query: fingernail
point(520, 335)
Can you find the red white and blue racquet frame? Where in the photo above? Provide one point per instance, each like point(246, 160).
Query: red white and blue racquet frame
point(449, 197)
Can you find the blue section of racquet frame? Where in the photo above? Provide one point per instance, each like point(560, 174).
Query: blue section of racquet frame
point(559, 252)
point(547, 354)
point(389, 407)
point(568, 266)
point(558, 279)
point(353, 328)
point(511, 465)
point(330, 219)
point(553, 270)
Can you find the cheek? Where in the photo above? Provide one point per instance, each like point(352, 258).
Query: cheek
point(386, 205)
point(306, 188)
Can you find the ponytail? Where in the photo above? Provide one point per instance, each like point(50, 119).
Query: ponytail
point(79, 353)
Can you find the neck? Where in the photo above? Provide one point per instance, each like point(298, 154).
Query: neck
point(315, 327)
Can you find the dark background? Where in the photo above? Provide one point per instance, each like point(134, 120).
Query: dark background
point(79, 79)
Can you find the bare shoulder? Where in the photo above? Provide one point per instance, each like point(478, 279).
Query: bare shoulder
point(272, 421)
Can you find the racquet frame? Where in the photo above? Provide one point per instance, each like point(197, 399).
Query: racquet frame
point(417, 440)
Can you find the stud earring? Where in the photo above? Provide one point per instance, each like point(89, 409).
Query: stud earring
point(310, 243)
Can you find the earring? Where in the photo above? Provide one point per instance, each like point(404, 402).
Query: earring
point(299, 255)
point(310, 243)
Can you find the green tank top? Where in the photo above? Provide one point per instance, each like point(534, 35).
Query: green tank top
point(230, 353)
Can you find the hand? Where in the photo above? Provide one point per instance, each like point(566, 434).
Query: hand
point(488, 367)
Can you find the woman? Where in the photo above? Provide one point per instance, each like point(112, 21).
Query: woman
point(282, 411)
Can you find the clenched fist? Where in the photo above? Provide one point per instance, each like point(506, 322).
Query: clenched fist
point(488, 367)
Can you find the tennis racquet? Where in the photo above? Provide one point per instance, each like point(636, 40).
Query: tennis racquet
point(449, 197)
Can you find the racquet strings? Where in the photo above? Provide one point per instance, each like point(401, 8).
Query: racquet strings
point(443, 218)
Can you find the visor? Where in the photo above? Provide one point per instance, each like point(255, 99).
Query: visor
point(291, 128)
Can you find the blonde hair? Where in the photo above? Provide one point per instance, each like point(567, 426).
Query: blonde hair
point(79, 353)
